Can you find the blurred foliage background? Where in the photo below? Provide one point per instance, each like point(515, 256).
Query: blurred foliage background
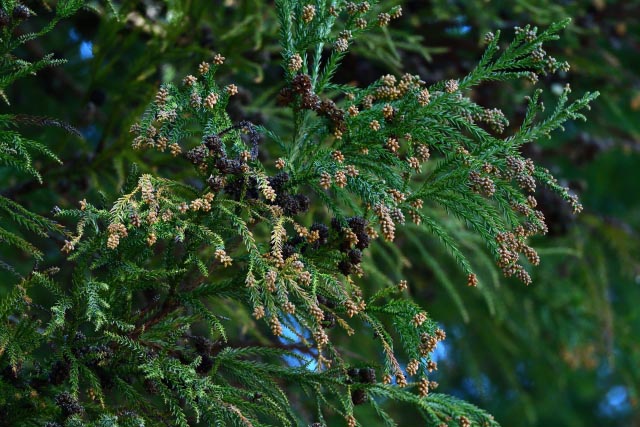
point(562, 352)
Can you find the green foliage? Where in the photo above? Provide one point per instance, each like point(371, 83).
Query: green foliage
point(597, 160)
point(17, 151)
point(219, 288)
point(13, 14)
